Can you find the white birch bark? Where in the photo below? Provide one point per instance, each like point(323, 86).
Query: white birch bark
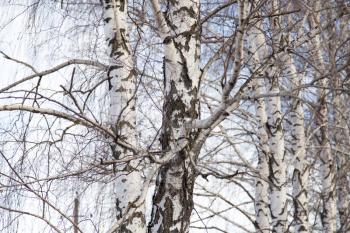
point(257, 41)
point(327, 168)
point(277, 165)
point(272, 167)
point(298, 148)
point(122, 116)
point(328, 215)
point(261, 183)
point(173, 197)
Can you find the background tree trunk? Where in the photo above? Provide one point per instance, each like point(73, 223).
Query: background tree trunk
point(298, 148)
point(258, 47)
point(328, 215)
point(341, 133)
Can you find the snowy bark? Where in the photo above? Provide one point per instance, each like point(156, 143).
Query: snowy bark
point(122, 116)
point(173, 197)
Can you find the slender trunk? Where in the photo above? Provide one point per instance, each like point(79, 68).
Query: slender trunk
point(341, 134)
point(298, 146)
point(122, 116)
point(271, 165)
point(261, 183)
point(341, 137)
point(277, 165)
point(301, 171)
point(257, 40)
point(328, 215)
point(173, 197)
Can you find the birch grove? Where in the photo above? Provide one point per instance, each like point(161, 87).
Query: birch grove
point(179, 116)
point(122, 116)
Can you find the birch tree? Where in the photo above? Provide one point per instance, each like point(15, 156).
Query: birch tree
point(300, 173)
point(122, 116)
point(173, 197)
point(328, 193)
point(234, 111)
point(277, 163)
point(258, 47)
point(340, 115)
point(298, 147)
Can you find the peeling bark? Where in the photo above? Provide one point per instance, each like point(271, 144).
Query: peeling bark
point(173, 197)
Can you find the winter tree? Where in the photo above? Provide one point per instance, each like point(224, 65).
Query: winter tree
point(174, 116)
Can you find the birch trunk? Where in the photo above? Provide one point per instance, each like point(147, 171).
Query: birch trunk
point(341, 140)
point(341, 137)
point(298, 146)
point(122, 116)
point(328, 216)
point(257, 41)
point(277, 166)
point(261, 183)
point(173, 197)
point(341, 130)
point(300, 172)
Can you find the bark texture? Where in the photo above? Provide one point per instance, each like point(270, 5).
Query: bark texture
point(261, 183)
point(341, 141)
point(277, 165)
point(122, 116)
point(298, 149)
point(341, 134)
point(328, 215)
point(258, 47)
point(173, 197)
